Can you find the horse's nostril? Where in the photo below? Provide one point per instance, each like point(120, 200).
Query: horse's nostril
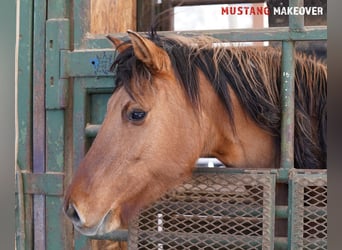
point(73, 214)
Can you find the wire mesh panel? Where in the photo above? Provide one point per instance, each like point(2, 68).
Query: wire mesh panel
point(211, 211)
point(309, 220)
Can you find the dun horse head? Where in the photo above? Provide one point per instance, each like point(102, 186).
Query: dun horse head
point(172, 104)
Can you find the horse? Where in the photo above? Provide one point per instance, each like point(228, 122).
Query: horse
point(177, 99)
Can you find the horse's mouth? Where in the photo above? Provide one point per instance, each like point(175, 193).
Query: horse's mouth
point(107, 224)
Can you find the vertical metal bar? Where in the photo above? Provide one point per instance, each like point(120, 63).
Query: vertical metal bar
point(58, 9)
point(39, 117)
point(24, 220)
point(81, 17)
point(81, 14)
point(79, 141)
point(58, 231)
point(287, 93)
point(296, 22)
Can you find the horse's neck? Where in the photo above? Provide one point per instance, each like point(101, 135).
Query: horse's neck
point(248, 147)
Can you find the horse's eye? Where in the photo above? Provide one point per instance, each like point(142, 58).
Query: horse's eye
point(136, 115)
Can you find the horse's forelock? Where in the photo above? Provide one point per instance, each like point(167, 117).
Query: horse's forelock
point(127, 67)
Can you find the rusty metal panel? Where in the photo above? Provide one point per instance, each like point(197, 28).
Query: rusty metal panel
point(309, 229)
point(212, 211)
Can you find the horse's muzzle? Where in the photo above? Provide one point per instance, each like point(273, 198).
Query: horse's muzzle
point(104, 226)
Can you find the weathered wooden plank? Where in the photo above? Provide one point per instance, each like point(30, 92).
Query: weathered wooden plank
point(108, 16)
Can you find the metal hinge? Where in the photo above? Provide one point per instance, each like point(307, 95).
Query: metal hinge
point(57, 39)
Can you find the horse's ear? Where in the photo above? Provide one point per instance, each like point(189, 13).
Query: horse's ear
point(118, 44)
point(149, 53)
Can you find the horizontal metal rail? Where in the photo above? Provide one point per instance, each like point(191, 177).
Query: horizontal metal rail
point(96, 62)
point(122, 235)
point(242, 35)
point(42, 183)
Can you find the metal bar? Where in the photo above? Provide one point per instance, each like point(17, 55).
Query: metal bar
point(79, 114)
point(39, 87)
point(96, 62)
point(287, 100)
point(23, 208)
point(242, 35)
point(39, 18)
point(117, 235)
point(42, 183)
point(80, 16)
point(55, 220)
point(280, 243)
point(91, 130)
point(233, 35)
point(281, 212)
point(87, 63)
point(122, 235)
point(57, 38)
point(58, 9)
point(79, 141)
point(296, 22)
point(293, 228)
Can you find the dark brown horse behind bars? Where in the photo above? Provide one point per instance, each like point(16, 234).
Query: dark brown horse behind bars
point(177, 99)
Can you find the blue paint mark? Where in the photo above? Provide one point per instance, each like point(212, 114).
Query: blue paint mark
point(94, 62)
point(101, 63)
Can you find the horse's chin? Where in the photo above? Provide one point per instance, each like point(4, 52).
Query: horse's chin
point(110, 222)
